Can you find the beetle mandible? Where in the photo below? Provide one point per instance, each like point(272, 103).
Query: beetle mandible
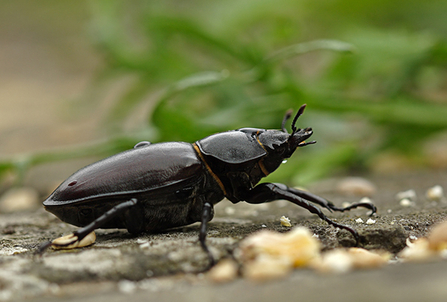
point(153, 187)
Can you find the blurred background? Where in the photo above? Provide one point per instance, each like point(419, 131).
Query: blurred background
point(81, 80)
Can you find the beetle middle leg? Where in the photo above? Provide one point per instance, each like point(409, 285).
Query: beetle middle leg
point(79, 234)
point(266, 192)
point(207, 214)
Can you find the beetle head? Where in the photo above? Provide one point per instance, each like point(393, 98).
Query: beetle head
point(281, 144)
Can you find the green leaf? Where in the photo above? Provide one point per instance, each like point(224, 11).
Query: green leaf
point(302, 48)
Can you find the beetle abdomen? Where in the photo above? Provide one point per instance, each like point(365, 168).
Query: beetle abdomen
point(131, 172)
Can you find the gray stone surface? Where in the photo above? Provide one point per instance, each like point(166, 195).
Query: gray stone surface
point(168, 265)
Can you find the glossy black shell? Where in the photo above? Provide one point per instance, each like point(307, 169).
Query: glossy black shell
point(143, 173)
point(232, 147)
point(128, 173)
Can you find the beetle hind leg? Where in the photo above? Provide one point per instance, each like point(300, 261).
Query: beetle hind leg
point(77, 236)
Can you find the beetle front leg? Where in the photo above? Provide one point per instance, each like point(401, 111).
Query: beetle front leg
point(207, 214)
point(326, 203)
point(80, 234)
point(266, 192)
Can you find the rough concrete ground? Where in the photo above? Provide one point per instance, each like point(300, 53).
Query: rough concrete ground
point(168, 265)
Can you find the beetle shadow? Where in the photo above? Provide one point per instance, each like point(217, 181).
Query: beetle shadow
point(118, 235)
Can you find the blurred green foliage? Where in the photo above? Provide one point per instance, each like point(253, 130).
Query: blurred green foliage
point(373, 73)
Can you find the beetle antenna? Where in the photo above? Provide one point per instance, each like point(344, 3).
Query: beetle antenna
point(284, 120)
point(298, 114)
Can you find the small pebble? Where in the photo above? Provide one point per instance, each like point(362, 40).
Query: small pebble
point(145, 245)
point(416, 251)
point(435, 193)
point(359, 220)
point(298, 245)
point(437, 238)
point(267, 267)
point(224, 271)
point(408, 194)
point(362, 258)
point(425, 249)
point(127, 287)
point(335, 261)
point(406, 202)
point(345, 204)
point(344, 260)
point(356, 186)
point(285, 221)
point(370, 221)
point(412, 237)
point(365, 200)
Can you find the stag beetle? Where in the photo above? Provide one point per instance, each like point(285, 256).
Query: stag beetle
point(159, 186)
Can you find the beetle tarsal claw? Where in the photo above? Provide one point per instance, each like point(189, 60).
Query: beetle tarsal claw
point(71, 241)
